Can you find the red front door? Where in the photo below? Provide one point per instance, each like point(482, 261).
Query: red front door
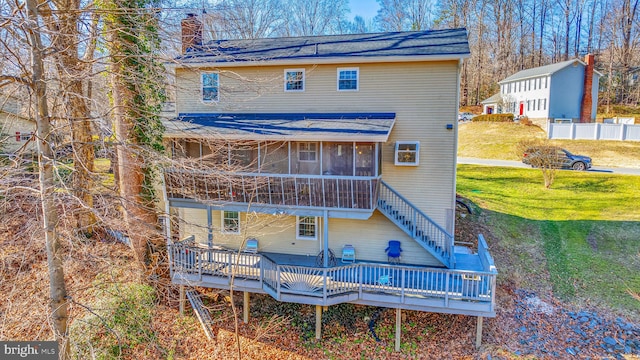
point(521, 109)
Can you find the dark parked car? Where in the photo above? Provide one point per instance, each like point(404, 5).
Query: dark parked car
point(555, 157)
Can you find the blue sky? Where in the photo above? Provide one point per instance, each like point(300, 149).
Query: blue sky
point(365, 8)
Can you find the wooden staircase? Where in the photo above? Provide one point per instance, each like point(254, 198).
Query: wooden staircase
point(426, 232)
point(201, 313)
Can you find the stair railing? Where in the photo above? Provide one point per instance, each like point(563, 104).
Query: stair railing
point(416, 224)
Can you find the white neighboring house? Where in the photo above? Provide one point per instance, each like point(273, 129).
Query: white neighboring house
point(16, 131)
point(553, 92)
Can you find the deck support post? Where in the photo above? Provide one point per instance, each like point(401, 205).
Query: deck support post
point(182, 299)
point(398, 328)
point(325, 236)
point(479, 332)
point(318, 322)
point(245, 307)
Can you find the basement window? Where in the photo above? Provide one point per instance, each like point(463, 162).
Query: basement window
point(407, 153)
point(231, 222)
point(306, 228)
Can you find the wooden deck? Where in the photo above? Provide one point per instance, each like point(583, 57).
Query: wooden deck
point(293, 278)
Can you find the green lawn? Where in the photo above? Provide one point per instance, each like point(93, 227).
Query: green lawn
point(584, 232)
point(499, 141)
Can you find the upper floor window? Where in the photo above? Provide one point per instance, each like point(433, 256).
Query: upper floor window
point(306, 228)
point(307, 151)
point(407, 153)
point(348, 79)
point(294, 80)
point(210, 87)
point(231, 222)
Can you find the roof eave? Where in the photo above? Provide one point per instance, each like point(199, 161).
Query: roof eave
point(298, 137)
point(320, 61)
point(569, 62)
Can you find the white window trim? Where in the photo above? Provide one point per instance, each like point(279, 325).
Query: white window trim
point(357, 70)
point(222, 227)
point(306, 151)
point(304, 80)
point(202, 88)
point(415, 163)
point(298, 237)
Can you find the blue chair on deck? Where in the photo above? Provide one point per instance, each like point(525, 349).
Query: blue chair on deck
point(348, 254)
point(393, 251)
point(251, 246)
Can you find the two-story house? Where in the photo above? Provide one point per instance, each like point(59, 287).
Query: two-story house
point(321, 170)
point(16, 131)
point(563, 92)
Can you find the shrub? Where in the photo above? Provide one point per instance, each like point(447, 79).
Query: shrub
point(494, 118)
point(525, 121)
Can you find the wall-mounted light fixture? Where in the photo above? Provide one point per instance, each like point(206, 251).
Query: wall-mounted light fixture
point(449, 126)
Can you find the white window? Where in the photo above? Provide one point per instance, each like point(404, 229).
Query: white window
point(535, 84)
point(306, 228)
point(231, 222)
point(348, 79)
point(544, 104)
point(294, 80)
point(210, 87)
point(308, 151)
point(407, 153)
point(539, 104)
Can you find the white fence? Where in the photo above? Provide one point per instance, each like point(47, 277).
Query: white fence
point(594, 131)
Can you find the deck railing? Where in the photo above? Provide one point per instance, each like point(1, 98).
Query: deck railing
point(358, 278)
point(326, 191)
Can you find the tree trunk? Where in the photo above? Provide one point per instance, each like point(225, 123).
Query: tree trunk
point(128, 114)
point(73, 73)
point(130, 174)
point(57, 287)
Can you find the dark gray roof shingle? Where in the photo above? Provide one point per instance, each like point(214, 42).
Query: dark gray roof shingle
point(374, 127)
point(452, 42)
point(541, 70)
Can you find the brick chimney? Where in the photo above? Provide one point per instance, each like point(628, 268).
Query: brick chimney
point(191, 33)
point(587, 100)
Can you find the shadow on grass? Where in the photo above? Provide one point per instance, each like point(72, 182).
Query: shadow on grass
point(583, 261)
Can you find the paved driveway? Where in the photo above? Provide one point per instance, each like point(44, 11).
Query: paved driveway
point(510, 163)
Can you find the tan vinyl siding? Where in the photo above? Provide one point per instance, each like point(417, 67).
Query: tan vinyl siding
point(277, 234)
point(424, 97)
point(370, 238)
point(422, 94)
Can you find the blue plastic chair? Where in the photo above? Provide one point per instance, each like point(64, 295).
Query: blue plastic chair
point(393, 251)
point(251, 246)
